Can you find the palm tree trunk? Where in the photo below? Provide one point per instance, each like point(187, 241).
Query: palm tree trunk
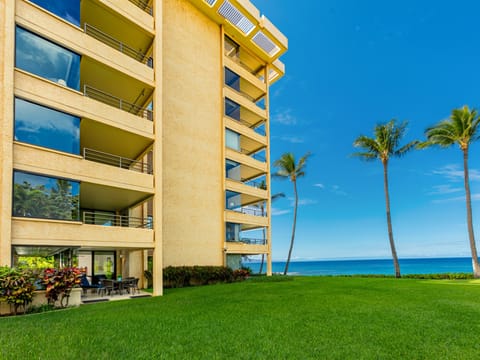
point(389, 221)
point(471, 235)
point(293, 227)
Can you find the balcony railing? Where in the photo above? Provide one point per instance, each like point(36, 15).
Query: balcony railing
point(117, 161)
point(259, 129)
point(250, 211)
point(118, 45)
point(117, 102)
point(105, 219)
point(143, 4)
point(256, 184)
point(250, 241)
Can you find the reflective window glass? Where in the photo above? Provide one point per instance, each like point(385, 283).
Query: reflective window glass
point(38, 125)
point(68, 10)
point(232, 79)
point(232, 109)
point(232, 139)
point(38, 196)
point(46, 59)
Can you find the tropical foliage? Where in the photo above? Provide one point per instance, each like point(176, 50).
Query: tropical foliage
point(288, 168)
point(59, 283)
point(462, 128)
point(17, 287)
point(383, 146)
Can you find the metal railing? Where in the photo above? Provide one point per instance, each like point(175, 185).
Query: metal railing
point(105, 219)
point(250, 241)
point(256, 184)
point(117, 45)
point(117, 161)
point(117, 102)
point(143, 4)
point(250, 211)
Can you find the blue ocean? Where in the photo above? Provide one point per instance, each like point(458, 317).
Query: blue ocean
point(380, 266)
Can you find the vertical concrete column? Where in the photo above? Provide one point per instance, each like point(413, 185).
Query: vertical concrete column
point(7, 48)
point(269, 180)
point(158, 149)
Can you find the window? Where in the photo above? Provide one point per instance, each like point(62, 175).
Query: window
point(232, 139)
point(41, 126)
point(38, 196)
point(232, 79)
point(232, 109)
point(233, 170)
point(46, 59)
point(232, 232)
point(68, 10)
point(233, 200)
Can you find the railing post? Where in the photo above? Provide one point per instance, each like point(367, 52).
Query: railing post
point(120, 103)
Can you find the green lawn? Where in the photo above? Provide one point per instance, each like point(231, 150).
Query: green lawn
point(306, 318)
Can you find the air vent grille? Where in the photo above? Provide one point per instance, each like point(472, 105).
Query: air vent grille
point(265, 43)
point(232, 14)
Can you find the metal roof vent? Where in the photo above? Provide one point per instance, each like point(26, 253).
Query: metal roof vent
point(210, 2)
point(264, 42)
point(232, 14)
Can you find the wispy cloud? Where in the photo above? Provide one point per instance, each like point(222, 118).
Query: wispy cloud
point(284, 117)
point(278, 212)
point(453, 172)
point(290, 139)
point(444, 190)
point(303, 202)
point(335, 189)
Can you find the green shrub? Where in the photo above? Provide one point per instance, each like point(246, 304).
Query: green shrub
point(180, 276)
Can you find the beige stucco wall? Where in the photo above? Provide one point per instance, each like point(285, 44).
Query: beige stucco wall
point(192, 137)
point(6, 126)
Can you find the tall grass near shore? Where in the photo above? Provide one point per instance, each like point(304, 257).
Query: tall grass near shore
point(305, 318)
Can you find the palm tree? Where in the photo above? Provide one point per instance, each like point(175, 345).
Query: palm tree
point(462, 129)
point(289, 169)
point(385, 145)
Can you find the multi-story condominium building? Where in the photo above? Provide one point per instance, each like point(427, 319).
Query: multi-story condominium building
point(135, 133)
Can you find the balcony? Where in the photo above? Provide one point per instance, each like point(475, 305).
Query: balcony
point(118, 45)
point(245, 116)
point(144, 5)
point(236, 82)
point(108, 219)
point(116, 102)
point(117, 161)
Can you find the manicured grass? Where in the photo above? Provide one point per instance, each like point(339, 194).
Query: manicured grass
point(306, 318)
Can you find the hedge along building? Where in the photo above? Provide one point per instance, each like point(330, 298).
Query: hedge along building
point(133, 129)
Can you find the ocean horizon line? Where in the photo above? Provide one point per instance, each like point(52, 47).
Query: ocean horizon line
point(363, 259)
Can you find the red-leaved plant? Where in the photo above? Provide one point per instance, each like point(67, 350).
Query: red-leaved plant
point(59, 283)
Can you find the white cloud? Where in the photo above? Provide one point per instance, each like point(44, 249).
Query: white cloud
point(284, 117)
point(302, 202)
point(336, 190)
point(475, 197)
point(321, 186)
point(444, 189)
point(453, 172)
point(292, 139)
point(278, 212)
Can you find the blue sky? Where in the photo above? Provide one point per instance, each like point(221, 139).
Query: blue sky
point(353, 64)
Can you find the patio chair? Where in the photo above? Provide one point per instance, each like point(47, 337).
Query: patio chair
point(133, 286)
point(85, 284)
point(108, 286)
